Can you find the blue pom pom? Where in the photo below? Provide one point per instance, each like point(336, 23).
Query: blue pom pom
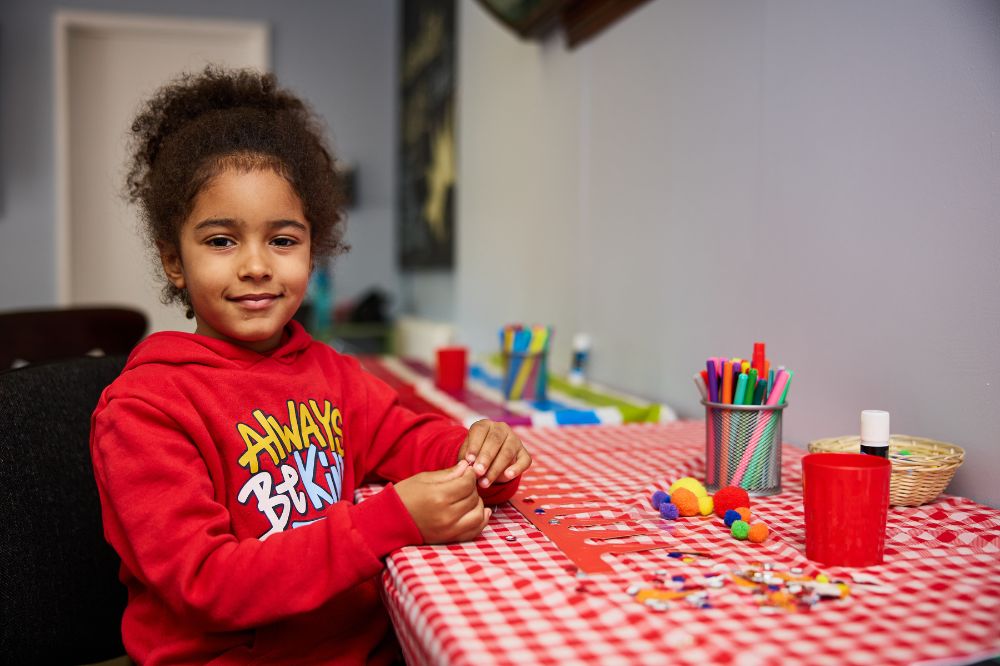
point(659, 497)
point(669, 511)
point(731, 517)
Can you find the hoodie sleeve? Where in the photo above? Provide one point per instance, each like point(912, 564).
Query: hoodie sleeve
point(403, 443)
point(162, 516)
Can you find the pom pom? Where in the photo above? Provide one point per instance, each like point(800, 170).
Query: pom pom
point(744, 514)
point(758, 532)
point(686, 501)
point(658, 498)
point(705, 505)
point(689, 483)
point(728, 498)
point(731, 517)
point(740, 530)
point(669, 510)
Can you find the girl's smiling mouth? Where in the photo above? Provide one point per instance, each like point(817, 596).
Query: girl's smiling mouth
point(255, 301)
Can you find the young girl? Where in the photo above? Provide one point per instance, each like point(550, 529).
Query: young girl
point(227, 458)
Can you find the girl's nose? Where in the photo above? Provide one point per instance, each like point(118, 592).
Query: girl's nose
point(254, 265)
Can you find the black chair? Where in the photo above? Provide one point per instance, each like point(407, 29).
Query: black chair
point(60, 597)
point(35, 336)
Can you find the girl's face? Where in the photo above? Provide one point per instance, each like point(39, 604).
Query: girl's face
point(244, 258)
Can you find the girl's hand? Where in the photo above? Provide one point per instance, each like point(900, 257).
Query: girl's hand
point(444, 504)
point(494, 452)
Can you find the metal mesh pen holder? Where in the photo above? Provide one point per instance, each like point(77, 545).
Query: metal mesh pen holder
point(743, 447)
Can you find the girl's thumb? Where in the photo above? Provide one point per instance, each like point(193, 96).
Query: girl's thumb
point(457, 471)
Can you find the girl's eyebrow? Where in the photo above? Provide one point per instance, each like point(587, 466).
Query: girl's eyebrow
point(228, 223)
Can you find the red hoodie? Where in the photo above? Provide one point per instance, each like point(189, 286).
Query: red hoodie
point(226, 480)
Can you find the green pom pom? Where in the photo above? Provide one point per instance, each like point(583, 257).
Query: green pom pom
point(740, 529)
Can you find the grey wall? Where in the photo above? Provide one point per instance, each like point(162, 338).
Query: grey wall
point(340, 55)
point(822, 176)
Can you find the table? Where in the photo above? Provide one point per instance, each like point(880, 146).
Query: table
point(589, 404)
point(512, 597)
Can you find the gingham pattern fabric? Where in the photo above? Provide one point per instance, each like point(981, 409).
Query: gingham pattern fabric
point(512, 597)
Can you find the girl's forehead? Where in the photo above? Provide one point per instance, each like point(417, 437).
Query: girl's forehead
point(247, 196)
point(249, 187)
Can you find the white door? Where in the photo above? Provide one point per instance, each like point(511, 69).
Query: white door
point(106, 65)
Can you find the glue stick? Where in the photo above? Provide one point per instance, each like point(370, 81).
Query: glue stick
point(581, 350)
point(875, 432)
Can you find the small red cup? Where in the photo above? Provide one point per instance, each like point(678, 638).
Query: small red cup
point(846, 501)
point(451, 368)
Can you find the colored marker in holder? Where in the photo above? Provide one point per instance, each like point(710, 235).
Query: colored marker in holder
point(525, 362)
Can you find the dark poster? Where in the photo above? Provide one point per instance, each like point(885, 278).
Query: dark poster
point(427, 135)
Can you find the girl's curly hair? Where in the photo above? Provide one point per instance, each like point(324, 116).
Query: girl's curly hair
point(201, 124)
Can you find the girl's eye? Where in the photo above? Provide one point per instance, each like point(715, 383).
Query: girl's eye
point(284, 242)
point(220, 241)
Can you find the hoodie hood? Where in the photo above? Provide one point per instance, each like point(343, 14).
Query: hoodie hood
point(176, 348)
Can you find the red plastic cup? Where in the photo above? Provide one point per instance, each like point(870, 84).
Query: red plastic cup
point(846, 498)
point(451, 368)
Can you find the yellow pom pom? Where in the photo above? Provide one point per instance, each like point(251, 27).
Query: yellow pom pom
point(690, 483)
point(822, 578)
point(705, 505)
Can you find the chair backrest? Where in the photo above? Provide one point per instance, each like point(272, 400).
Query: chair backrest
point(35, 336)
point(60, 596)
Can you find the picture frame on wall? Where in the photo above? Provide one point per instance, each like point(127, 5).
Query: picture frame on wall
point(427, 177)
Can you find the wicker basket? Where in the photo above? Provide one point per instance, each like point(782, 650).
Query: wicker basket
point(917, 478)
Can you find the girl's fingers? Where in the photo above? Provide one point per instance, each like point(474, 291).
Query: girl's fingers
point(503, 459)
point(472, 522)
point(474, 440)
point(521, 463)
point(492, 442)
point(457, 471)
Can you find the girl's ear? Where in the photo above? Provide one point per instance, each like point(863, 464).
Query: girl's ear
point(172, 266)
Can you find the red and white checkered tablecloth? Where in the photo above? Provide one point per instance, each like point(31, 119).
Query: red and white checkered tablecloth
point(500, 601)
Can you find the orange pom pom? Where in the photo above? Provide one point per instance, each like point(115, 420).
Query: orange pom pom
point(758, 533)
point(686, 502)
point(744, 513)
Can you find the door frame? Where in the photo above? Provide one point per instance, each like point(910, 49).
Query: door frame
point(256, 33)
